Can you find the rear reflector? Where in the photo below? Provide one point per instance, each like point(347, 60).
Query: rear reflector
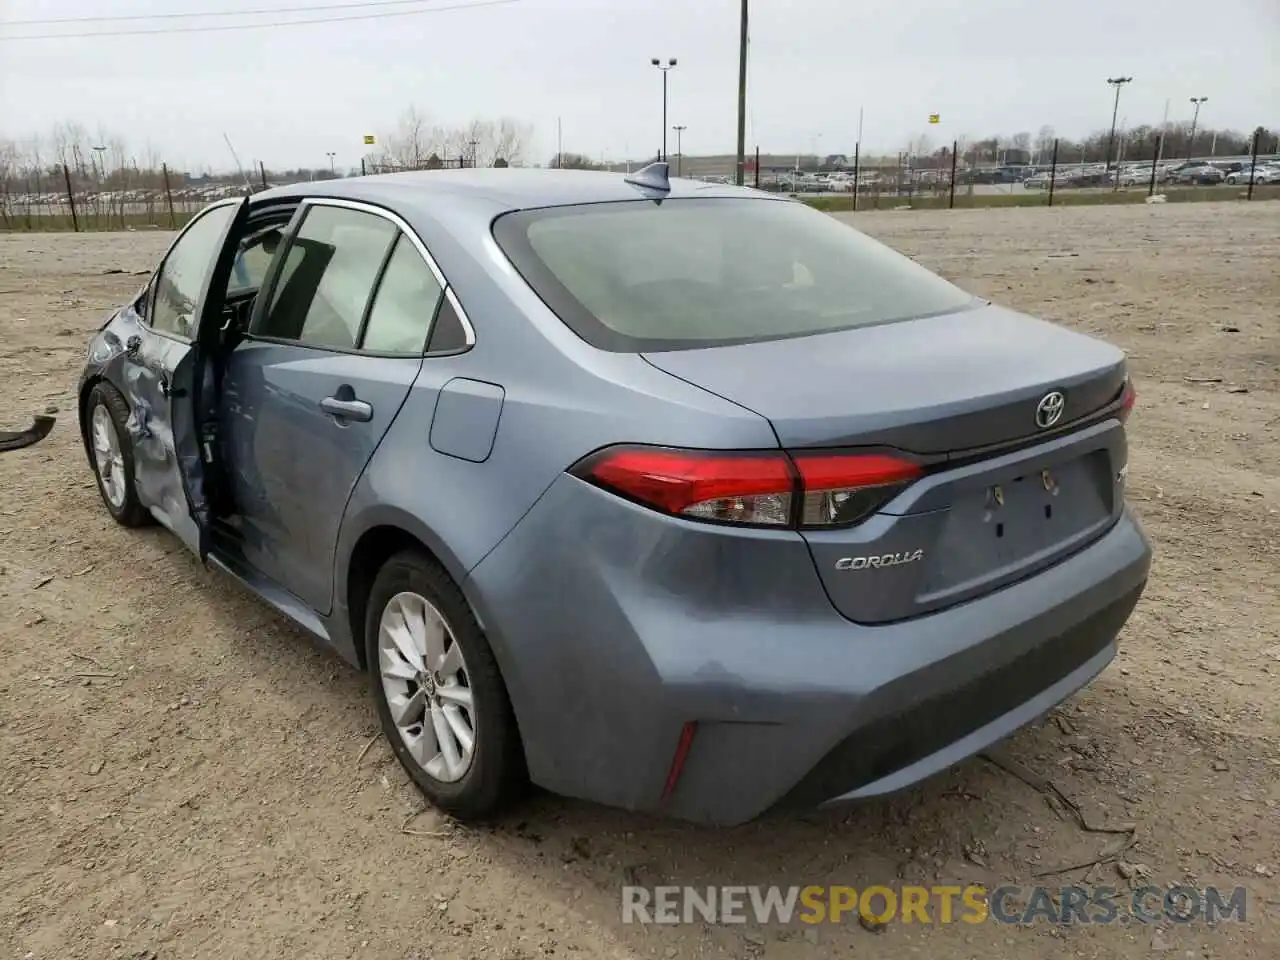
point(765, 488)
point(683, 745)
point(1127, 400)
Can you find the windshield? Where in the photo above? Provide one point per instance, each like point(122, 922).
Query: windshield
point(638, 275)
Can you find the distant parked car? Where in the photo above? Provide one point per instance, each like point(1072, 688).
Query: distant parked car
point(1268, 173)
point(1134, 176)
point(1201, 174)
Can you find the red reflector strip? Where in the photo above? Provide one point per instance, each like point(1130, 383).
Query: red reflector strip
point(850, 471)
point(674, 480)
point(681, 755)
point(1130, 398)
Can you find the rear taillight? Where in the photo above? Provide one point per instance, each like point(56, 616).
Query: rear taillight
point(840, 489)
point(766, 488)
point(754, 488)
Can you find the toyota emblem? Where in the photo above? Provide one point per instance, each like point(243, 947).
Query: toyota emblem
point(1049, 409)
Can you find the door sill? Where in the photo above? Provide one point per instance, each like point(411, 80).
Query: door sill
point(226, 557)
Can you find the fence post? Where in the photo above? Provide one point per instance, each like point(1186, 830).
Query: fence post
point(1253, 162)
point(1154, 161)
point(168, 195)
point(951, 200)
point(71, 198)
point(262, 169)
point(857, 147)
point(1053, 170)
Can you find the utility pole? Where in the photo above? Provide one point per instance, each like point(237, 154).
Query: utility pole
point(742, 98)
point(679, 128)
point(665, 68)
point(1191, 141)
point(1164, 130)
point(1116, 82)
point(102, 163)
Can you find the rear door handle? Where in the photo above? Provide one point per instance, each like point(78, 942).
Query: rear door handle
point(347, 409)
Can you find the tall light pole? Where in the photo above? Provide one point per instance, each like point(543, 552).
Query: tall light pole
point(741, 167)
point(475, 155)
point(102, 163)
point(330, 154)
point(1195, 117)
point(679, 128)
point(1116, 82)
point(665, 68)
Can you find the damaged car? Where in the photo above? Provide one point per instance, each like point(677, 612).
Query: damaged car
point(609, 495)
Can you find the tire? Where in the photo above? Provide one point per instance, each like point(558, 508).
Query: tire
point(495, 774)
point(121, 501)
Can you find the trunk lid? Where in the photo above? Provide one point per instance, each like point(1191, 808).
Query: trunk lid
point(1003, 496)
point(942, 384)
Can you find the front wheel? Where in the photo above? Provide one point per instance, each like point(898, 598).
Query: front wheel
point(112, 450)
point(440, 697)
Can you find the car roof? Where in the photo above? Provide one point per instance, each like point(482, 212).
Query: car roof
point(500, 190)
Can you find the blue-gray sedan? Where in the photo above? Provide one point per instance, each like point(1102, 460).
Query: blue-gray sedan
point(670, 495)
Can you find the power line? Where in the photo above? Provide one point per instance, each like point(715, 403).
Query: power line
point(258, 26)
point(188, 15)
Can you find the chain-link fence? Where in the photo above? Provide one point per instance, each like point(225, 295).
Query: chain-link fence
point(69, 198)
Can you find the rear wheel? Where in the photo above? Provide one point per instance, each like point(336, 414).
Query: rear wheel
point(112, 452)
point(439, 694)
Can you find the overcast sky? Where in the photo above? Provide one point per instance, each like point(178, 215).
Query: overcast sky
point(288, 95)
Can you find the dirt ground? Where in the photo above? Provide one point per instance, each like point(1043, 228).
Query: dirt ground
point(183, 775)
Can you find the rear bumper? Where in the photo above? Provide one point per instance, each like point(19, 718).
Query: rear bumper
point(615, 627)
point(902, 748)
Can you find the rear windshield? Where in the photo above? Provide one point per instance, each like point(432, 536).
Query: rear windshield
point(638, 275)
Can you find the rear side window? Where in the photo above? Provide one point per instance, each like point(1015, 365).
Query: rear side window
point(404, 305)
point(637, 275)
point(448, 334)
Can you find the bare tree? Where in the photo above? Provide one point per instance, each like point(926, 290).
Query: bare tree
point(574, 161)
point(503, 140)
point(481, 141)
point(411, 142)
point(1044, 140)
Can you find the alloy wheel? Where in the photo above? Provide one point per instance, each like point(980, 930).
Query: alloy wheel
point(427, 687)
point(107, 456)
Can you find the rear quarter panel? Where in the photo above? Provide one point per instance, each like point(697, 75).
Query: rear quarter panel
point(562, 399)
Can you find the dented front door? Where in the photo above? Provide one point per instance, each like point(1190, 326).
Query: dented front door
point(163, 371)
point(150, 361)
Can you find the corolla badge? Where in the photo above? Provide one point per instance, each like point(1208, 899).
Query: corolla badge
point(884, 560)
point(1049, 409)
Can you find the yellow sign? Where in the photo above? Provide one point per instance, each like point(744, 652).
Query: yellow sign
point(935, 118)
point(370, 139)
